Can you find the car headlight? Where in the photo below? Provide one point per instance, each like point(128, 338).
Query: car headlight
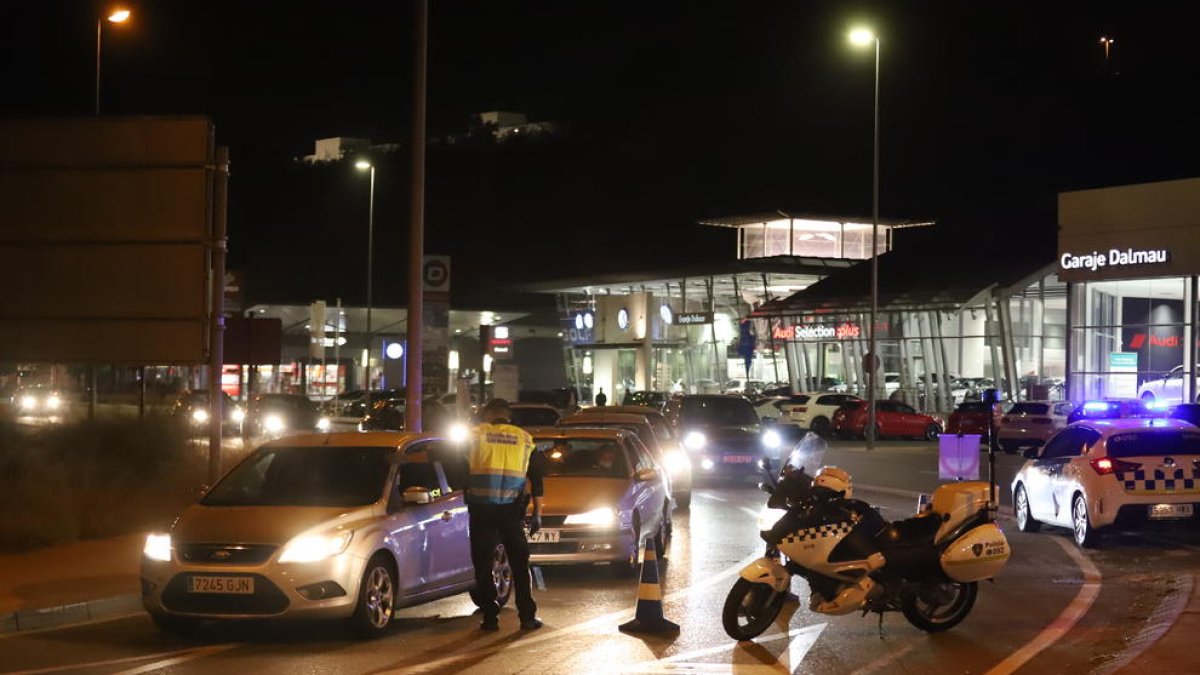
point(599, 517)
point(53, 402)
point(314, 547)
point(237, 415)
point(768, 517)
point(706, 464)
point(323, 424)
point(28, 402)
point(457, 432)
point(771, 439)
point(676, 461)
point(200, 415)
point(274, 424)
point(694, 441)
point(158, 547)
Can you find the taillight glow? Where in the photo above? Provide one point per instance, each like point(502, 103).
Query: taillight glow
point(1106, 465)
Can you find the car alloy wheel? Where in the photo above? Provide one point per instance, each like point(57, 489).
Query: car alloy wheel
point(932, 432)
point(502, 576)
point(1025, 521)
point(376, 598)
point(1086, 536)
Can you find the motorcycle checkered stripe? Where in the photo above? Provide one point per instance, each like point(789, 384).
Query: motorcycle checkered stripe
point(818, 532)
point(1159, 481)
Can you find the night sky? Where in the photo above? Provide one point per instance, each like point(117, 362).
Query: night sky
point(672, 111)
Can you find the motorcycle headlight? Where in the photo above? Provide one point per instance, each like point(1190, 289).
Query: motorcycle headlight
point(694, 441)
point(598, 517)
point(676, 461)
point(28, 402)
point(768, 517)
point(274, 424)
point(314, 547)
point(158, 547)
point(771, 439)
point(199, 415)
point(324, 424)
point(457, 432)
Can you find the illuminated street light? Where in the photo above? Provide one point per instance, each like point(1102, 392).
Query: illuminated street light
point(1107, 42)
point(364, 165)
point(118, 16)
point(864, 37)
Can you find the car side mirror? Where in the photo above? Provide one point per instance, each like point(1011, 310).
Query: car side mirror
point(646, 475)
point(1031, 453)
point(417, 495)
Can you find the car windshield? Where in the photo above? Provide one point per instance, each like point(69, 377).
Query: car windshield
point(721, 412)
point(1166, 442)
point(649, 398)
point(533, 417)
point(582, 457)
point(1029, 409)
point(320, 476)
point(973, 408)
point(286, 403)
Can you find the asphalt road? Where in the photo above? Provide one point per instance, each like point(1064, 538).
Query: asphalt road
point(1119, 596)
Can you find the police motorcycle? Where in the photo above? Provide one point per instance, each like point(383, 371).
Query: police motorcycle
point(926, 567)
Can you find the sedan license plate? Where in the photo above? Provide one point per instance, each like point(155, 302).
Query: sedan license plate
point(738, 459)
point(544, 537)
point(1170, 511)
point(221, 585)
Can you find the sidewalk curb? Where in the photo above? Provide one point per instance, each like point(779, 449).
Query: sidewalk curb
point(70, 614)
point(915, 494)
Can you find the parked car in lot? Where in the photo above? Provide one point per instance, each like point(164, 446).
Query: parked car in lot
point(344, 526)
point(604, 494)
point(527, 415)
point(650, 399)
point(191, 409)
point(276, 414)
point(1029, 423)
point(814, 410)
point(724, 436)
point(1114, 408)
point(1188, 412)
point(656, 435)
point(1168, 389)
point(743, 386)
point(973, 417)
point(1098, 473)
point(892, 418)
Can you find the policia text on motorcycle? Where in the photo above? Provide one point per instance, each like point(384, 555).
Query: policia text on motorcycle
point(501, 461)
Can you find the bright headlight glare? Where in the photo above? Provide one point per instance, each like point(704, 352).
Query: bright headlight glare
point(237, 415)
point(28, 402)
point(273, 423)
point(694, 441)
point(598, 517)
point(457, 432)
point(768, 517)
point(158, 547)
point(53, 402)
point(323, 424)
point(771, 439)
point(200, 415)
point(676, 461)
point(706, 464)
point(314, 547)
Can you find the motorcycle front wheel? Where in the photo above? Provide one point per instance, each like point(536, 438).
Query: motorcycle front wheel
point(750, 608)
point(937, 607)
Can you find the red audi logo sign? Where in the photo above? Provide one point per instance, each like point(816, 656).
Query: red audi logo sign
point(843, 331)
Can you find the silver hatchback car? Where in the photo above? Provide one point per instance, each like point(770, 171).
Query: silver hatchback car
point(348, 525)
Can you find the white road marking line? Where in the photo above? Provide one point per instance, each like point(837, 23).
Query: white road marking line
point(1064, 622)
point(99, 664)
point(183, 658)
point(885, 660)
point(802, 640)
point(90, 622)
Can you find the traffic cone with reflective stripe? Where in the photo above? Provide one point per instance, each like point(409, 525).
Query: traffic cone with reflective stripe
point(649, 617)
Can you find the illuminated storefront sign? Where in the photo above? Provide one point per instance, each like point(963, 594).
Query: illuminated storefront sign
point(693, 318)
point(1114, 258)
point(817, 331)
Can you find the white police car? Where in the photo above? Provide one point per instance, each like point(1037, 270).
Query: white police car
point(1098, 473)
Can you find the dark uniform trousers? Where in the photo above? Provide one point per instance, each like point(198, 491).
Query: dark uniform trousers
point(493, 524)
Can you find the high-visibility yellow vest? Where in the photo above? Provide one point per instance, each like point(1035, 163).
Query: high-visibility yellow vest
point(499, 460)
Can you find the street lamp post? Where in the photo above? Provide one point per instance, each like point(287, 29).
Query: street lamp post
point(118, 16)
point(364, 165)
point(1107, 42)
point(864, 37)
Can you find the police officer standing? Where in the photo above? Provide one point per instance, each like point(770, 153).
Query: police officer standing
point(500, 462)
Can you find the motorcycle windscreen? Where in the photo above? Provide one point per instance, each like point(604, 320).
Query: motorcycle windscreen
point(979, 554)
point(808, 454)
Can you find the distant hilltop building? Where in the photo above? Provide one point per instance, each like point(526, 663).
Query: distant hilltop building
point(500, 125)
point(337, 148)
point(505, 125)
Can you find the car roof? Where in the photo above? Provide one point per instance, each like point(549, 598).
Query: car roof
point(1109, 427)
point(351, 439)
point(616, 417)
point(529, 406)
point(578, 432)
point(621, 409)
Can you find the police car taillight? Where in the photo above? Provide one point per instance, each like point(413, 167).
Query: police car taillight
point(1106, 465)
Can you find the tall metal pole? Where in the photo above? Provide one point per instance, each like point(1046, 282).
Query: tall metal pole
point(416, 234)
point(217, 337)
point(98, 22)
point(370, 286)
point(872, 343)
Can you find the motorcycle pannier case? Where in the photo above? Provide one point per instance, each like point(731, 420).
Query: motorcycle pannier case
point(956, 502)
point(977, 555)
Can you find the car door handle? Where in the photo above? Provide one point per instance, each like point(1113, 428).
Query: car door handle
point(447, 516)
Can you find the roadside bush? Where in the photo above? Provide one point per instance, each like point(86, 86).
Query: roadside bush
point(93, 479)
